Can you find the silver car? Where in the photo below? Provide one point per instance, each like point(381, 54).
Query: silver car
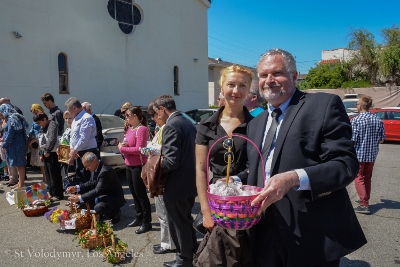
point(113, 132)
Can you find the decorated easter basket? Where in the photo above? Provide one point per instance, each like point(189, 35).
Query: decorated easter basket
point(234, 212)
point(92, 238)
point(37, 191)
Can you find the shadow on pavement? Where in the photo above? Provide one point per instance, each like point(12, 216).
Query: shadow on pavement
point(344, 262)
point(385, 204)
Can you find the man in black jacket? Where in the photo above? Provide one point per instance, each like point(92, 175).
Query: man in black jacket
point(104, 188)
point(99, 136)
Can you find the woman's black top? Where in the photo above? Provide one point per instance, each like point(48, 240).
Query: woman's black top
point(210, 130)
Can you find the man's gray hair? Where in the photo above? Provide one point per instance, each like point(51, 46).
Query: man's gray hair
point(87, 105)
point(254, 89)
point(73, 102)
point(166, 101)
point(89, 157)
point(290, 62)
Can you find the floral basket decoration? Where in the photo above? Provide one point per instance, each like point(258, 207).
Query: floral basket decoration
point(233, 212)
point(35, 201)
point(116, 252)
point(99, 234)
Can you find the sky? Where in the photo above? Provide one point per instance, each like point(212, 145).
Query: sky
point(239, 31)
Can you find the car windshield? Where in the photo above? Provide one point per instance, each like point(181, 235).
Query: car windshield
point(350, 104)
point(110, 121)
point(187, 117)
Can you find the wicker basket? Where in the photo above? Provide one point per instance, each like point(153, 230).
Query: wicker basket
point(94, 240)
point(81, 221)
point(234, 212)
point(115, 253)
point(39, 210)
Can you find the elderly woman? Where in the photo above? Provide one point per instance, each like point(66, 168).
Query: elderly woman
point(14, 141)
point(33, 142)
point(48, 145)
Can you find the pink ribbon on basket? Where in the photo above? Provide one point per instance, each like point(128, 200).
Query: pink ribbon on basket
point(227, 136)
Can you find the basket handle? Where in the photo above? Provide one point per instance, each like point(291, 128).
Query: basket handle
point(223, 137)
point(93, 223)
point(24, 195)
point(87, 208)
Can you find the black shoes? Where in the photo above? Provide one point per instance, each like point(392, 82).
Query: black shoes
point(135, 222)
point(145, 227)
point(156, 246)
point(160, 250)
point(117, 217)
point(177, 264)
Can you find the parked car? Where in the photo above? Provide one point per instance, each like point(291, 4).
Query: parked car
point(391, 120)
point(198, 114)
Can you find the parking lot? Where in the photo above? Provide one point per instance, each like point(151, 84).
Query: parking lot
point(34, 241)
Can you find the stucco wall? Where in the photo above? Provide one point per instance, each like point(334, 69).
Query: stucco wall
point(106, 66)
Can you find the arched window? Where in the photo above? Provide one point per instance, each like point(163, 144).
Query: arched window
point(62, 74)
point(176, 80)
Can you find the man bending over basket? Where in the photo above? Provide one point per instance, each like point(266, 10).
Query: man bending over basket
point(104, 188)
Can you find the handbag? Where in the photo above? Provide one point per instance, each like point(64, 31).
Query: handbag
point(152, 175)
point(198, 224)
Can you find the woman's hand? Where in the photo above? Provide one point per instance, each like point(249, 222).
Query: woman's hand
point(208, 221)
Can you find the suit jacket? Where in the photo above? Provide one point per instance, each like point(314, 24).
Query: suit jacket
point(315, 135)
point(105, 182)
point(99, 129)
point(178, 145)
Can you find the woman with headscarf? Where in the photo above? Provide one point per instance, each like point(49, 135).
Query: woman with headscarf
point(14, 141)
point(33, 142)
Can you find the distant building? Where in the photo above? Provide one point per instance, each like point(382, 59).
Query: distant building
point(336, 55)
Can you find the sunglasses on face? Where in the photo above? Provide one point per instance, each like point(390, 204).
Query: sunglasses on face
point(228, 145)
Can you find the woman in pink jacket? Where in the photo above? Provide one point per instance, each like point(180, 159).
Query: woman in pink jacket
point(135, 138)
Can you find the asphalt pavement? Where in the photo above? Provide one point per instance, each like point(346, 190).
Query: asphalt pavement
point(34, 241)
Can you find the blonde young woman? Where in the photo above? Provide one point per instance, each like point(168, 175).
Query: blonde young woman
point(33, 142)
point(230, 119)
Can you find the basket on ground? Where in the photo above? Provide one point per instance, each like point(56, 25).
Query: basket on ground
point(234, 212)
point(77, 220)
point(116, 252)
point(95, 237)
point(35, 200)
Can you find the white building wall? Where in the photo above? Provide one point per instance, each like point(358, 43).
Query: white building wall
point(342, 54)
point(105, 66)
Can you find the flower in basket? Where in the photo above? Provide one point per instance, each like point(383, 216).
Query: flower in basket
point(54, 216)
point(48, 214)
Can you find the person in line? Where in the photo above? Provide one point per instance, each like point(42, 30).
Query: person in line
point(230, 119)
point(104, 189)
point(178, 137)
point(33, 141)
point(6, 100)
point(368, 133)
point(121, 111)
point(99, 136)
point(65, 140)
point(82, 137)
point(136, 137)
point(166, 243)
point(254, 100)
point(55, 114)
point(14, 143)
point(48, 143)
point(307, 217)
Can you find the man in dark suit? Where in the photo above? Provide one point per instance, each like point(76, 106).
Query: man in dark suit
point(307, 216)
point(104, 188)
point(178, 145)
point(99, 136)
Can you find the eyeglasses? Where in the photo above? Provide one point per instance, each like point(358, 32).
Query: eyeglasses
point(229, 157)
point(123, 112)
point(67, 118)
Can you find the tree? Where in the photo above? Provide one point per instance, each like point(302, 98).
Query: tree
point(366, 55)
point(389, 56)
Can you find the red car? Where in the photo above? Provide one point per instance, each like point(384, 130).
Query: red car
point(391, 120)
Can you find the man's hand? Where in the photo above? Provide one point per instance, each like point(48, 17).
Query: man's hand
point(74, 198)
point(71, 189)
point(275, 189)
